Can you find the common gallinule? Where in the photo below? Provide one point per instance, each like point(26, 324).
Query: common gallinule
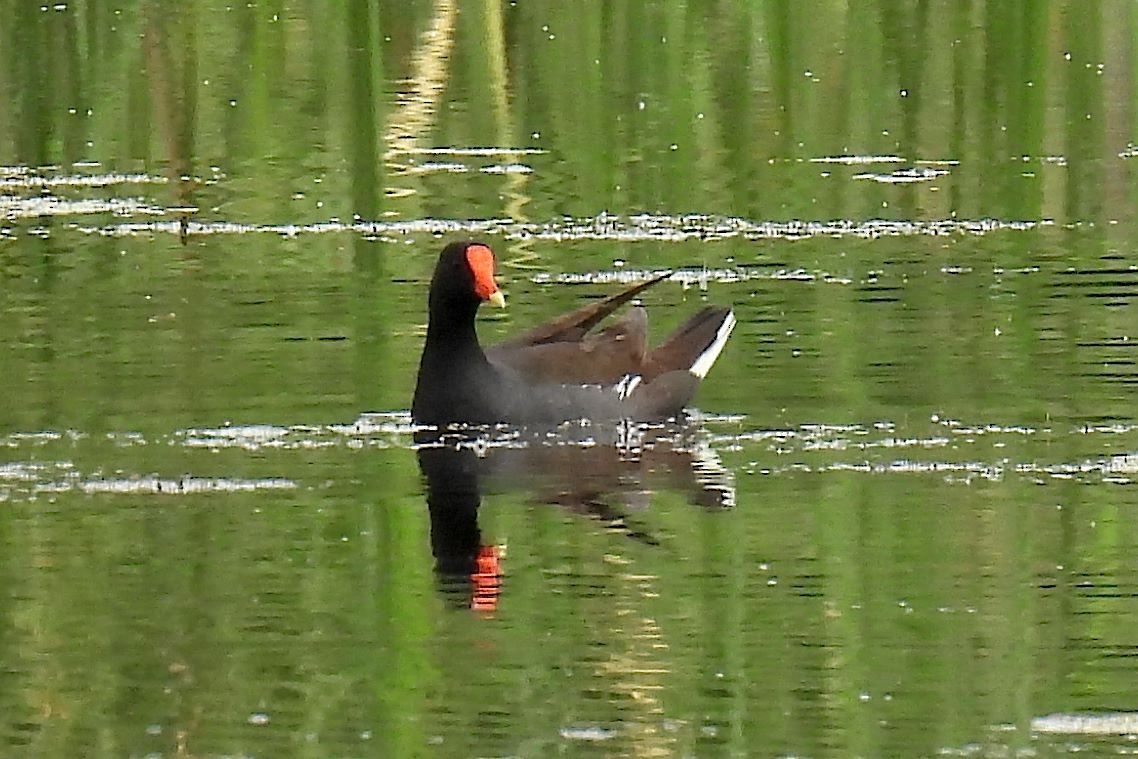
point(559, 370)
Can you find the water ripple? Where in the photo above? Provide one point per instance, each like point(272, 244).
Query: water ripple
point(958, 451)
point(1109, 723)
point(858, 160)
point(35, 478)
point(183, 486)
point(21, 208)
point(903, 176)
point(26, 180)
point(471, 151)
point(690, 277)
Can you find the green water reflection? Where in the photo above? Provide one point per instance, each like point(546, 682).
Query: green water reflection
point(903, 528)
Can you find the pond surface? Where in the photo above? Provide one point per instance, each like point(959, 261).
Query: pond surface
point(900, 521)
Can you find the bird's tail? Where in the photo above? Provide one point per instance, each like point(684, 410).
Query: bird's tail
point(674, 370)
point(695, 345)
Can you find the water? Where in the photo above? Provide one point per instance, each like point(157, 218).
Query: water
point(898, 523)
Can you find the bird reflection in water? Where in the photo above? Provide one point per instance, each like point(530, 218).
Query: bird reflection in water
point(604, 472)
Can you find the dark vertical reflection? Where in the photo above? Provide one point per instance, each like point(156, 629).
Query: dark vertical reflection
point(46, 324)
point(68, 81)
point(453, 499)
point(13, 701)
point(111, 331)
point(241, 83)
point(959, 147)
point(364, 127)
point(842, 111)
point(186, 43)
point(171, 53)
point(905, 30)
point(371, 311)
point(781, 29)
point(1084, 123)
point(998, 30)
point(1027, 102)
point(399, 619)
point(739, 125)
point(28, 30)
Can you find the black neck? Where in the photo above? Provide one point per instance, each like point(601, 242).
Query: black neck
point(451, 336)
point(452, 318)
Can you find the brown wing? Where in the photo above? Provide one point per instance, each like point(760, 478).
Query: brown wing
point(577, 323)
point(596, 358)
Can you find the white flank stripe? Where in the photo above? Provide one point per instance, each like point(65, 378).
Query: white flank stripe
point(706, 359)
point(627, 384)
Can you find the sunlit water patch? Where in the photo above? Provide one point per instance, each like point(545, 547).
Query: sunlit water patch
point(904, 176)
point(507, 168)
point(29, 480)
point(182, 485)
point(1107, 734)
point(699, 278)
point(442, 160)
point(435, 167)
point(450, 167)
point(26, 180)
point(956, 451)
point(24, 208)
point(603, 227)
point(870, 160)
point(858, 160)
point(1111, 723)
point(370, 430)
point(486, 151)
point(48, 191)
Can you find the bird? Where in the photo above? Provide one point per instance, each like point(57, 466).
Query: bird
point(561, 370)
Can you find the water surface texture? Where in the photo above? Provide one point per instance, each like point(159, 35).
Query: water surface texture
point(902, 520)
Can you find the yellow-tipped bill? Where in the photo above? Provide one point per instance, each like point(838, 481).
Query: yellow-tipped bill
point(497, 299)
